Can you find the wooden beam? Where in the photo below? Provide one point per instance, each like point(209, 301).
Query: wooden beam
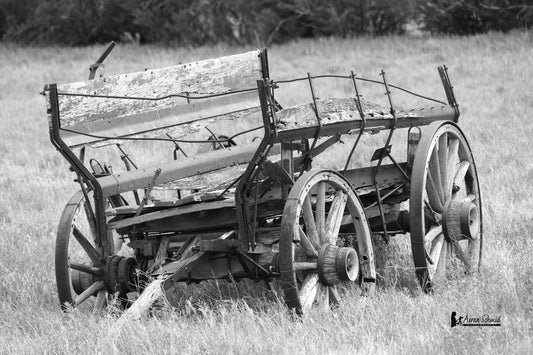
point(178, 121)
point(217, 165)
point(176, 169)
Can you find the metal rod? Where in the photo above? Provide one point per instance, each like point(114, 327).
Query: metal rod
point(360, 79)
point(363, 118)
point(215, 137)
point(79, 167)
point(127, 138)
point(386, 148)
point(100, 60)
point(183, 96)
point(126, 156)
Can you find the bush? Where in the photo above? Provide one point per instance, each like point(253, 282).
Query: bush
point(473, 16)
point(197, 22)
point(265, 21)
point(72, 22)
point(13, 13)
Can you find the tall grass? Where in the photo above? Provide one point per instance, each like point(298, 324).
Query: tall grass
point(491, 74)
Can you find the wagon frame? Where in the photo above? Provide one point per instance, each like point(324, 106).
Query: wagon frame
point(272, 218)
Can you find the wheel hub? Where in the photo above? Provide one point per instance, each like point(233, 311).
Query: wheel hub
point(120, 274)
point(81, 280)
point(461, 220)
point(337, 264)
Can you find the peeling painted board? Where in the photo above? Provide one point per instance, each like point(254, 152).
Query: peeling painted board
point(330, 110)
point(191, 199)
point(177, 121)
point(343, 125)
point(333, 110)
point(214, 179)
point(211, 76)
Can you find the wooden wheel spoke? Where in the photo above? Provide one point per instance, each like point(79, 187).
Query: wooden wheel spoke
point(309, 221)
point(436, 250)
point(433, 194)
point(89, 214)
point(323, 297)
point(334, 297)
point(304, 265)
point(93, 254)
point(461, 173)
point(309, 290)
point(85, 268)
point(473, 247)
point(307, 246)
point(443, 164)
point(101, 299)
point(321, 209)
point(432, 234)
point(434, 171)
point(459, 252)
point(95, 287)
point(334, 221)
point(453, 160)
point(440, 267)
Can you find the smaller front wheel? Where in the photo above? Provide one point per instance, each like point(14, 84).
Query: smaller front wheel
point(85, 275)
point(311, 264)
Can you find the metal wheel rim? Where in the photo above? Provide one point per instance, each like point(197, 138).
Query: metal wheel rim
point(300, 297)
point(425, 241)
point(72, 213)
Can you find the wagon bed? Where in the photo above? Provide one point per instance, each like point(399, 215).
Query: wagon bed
point(258, 209)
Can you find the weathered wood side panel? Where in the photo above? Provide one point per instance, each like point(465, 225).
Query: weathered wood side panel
point(177, 121)
point(210, 76)
point(338, 110)
point(340, 116)
point(330, 110)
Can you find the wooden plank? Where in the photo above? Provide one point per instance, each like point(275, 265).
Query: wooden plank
point(161, 254)
point(209, 170)
point(295, 124)
point(217, 179)
point(158, 215)
point(178, 121)
point(204, 220)
point(191, 199)
point(174, 170)
point(330, 110)
point(211, 76)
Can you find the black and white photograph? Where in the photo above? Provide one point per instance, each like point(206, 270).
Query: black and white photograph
point(266, 177)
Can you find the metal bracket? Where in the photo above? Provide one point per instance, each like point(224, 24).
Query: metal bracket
point(100, 61)
point(148, 192)
point(381, 153)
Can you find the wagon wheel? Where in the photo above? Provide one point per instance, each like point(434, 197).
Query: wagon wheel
point(445, 206)
point(310, 262)
point(86, 276)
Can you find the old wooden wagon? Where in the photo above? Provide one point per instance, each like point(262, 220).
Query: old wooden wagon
point(238, 196)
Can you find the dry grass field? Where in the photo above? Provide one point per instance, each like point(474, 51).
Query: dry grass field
point(492, 78)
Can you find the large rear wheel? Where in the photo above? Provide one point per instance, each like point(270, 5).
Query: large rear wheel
point(445, 206)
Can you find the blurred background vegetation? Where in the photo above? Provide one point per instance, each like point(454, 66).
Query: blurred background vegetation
point(258, 22)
